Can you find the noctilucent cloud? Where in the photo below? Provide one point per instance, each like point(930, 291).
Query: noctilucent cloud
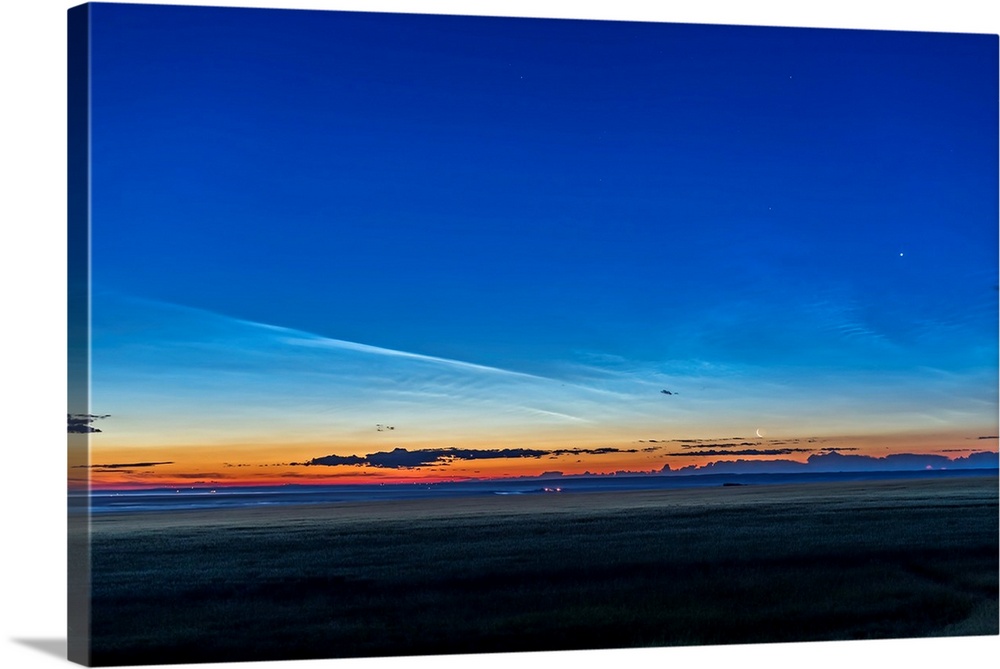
point(338, 235)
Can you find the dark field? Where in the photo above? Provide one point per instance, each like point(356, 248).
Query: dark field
point(549, 572)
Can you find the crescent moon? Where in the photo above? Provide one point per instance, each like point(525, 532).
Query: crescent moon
point(759, 435)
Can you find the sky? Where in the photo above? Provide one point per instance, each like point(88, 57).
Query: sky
point(334, 246)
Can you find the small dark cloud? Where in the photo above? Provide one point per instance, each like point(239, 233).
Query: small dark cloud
point(595, 451)
point(126, 465)
point(993, 437)
point(80, 423)
point(333, 460)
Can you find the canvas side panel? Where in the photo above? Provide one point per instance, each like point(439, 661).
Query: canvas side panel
point(78, 335)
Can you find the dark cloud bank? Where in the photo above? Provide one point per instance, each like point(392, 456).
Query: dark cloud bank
point(400, 458)
point(834, 461)
point(830, 461)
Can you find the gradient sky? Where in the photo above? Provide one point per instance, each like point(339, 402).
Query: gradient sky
point(323, 236)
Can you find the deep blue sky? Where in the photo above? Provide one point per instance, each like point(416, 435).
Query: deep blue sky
point(542, 196)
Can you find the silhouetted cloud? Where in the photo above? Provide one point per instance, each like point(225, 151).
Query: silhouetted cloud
point(125, 465)
point(747, 451)
point(976, 460)
point(401, 458)
point(593, 451)
point(80, 423)
point(834, 461)
point(333, 460)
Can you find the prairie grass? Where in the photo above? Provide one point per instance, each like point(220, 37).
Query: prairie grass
point(549, 572)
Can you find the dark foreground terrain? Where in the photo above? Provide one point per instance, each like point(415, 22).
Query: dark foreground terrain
point(736, 564)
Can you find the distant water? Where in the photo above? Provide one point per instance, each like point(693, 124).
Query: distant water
point(180, 499)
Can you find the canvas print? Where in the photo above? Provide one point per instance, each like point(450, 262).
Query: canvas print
point(398, 334)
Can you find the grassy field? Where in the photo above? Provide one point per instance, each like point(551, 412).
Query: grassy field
point(549, 572)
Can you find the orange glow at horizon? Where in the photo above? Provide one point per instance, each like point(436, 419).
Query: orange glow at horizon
point(256, 464)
